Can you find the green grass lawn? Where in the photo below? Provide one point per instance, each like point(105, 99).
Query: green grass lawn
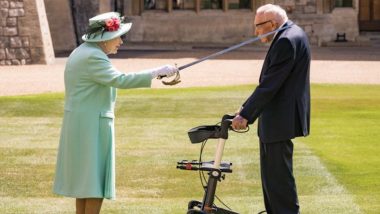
point(336, 167)
point(346, 136)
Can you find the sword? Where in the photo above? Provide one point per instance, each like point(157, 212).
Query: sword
point(177, 80)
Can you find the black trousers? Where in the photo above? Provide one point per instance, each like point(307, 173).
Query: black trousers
point(279, 187)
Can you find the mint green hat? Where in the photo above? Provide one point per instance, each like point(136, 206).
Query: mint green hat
point(105, 27)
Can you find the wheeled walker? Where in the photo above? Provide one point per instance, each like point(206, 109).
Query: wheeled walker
point(215, 168)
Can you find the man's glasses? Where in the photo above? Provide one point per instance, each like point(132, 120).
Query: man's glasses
point(262, 23)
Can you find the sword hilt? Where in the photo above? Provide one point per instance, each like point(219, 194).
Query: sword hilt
point(174, 81)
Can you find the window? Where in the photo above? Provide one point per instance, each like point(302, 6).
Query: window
point(239, 4)
point(195, 5)
point(211, 4)
point(184, 4)
point(343, 3)
point(155, 4)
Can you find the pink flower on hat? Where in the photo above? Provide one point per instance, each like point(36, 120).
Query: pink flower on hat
point(107, 22)
point(112, 24)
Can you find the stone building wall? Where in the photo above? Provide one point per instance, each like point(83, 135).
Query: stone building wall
point(24, 33)
point(190, 27)
point(317, 17)
point(322, 25)
point(218, 26)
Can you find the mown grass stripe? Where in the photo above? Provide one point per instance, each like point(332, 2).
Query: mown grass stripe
point(327, 195)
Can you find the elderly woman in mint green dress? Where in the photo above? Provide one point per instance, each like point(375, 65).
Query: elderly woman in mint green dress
point(85, 167)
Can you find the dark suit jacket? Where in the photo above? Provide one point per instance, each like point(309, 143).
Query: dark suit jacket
point(282, 98)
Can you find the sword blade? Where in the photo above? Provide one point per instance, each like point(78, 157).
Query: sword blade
point(251, 40)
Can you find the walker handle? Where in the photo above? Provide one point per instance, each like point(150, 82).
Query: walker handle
point(225, 125)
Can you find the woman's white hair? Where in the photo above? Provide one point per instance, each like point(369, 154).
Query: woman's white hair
point(275, 11)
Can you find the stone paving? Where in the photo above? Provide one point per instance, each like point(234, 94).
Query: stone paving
point(335, 65)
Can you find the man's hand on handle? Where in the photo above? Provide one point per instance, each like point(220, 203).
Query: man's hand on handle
point(239, 123)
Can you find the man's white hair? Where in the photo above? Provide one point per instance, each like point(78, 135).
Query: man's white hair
point(276, 11)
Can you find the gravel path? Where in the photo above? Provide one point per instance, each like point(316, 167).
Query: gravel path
point(329, 65)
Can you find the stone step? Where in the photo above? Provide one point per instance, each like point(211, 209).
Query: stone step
point(358, 43)
point(370, 35)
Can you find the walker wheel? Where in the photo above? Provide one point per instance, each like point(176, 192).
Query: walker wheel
point(195, 212)
point(193, 203)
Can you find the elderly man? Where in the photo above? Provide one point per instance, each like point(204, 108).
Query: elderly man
point(281, 101)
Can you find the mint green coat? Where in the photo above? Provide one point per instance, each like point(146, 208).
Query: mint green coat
point(86, 155)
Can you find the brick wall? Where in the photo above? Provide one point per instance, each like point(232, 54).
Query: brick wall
point(24, 33)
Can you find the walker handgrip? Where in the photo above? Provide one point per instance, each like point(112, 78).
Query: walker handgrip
point(226, 124)
point(228, 117)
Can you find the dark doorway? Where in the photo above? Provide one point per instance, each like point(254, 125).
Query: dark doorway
point(369, 15)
